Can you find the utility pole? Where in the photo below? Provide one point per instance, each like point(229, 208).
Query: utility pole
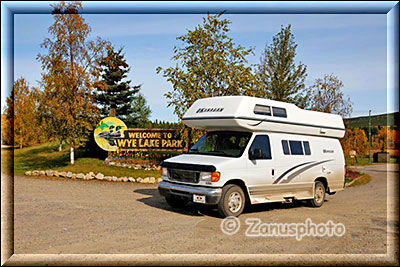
point(369, 136)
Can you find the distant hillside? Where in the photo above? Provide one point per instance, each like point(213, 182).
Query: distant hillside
point(376, 120)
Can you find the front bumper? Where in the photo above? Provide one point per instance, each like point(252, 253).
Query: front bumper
point(167, 189)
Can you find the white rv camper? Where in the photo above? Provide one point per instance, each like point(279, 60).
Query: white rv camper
point(256, 151)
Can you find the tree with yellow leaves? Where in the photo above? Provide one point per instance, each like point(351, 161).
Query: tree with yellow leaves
point(21, 113)
point(354, 139)
point(326, 95)
point(6, 130)
point(71, 68)
point(385, 138)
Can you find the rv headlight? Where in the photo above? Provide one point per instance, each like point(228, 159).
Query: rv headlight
point(210, 176)
point(164, 173)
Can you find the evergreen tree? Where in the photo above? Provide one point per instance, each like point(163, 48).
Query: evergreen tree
point(115, 92)
point(280, 78)
point(140, 113)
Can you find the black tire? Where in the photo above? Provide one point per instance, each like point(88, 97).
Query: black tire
point(224, 208)
point(176, 202)
point(319, 195)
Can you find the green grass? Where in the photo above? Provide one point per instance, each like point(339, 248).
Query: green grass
point(363, 179)
point(47, 156)
point(347, 180)
point(361, 161)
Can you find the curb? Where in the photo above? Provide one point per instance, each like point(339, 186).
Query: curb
point(352, 182)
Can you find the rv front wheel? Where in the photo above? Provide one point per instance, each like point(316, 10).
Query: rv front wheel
point(319, 195)
point(232, 201)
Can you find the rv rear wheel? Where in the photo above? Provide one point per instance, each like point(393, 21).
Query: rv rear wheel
point(232, 201)
point(176, 202)
point(319, 195)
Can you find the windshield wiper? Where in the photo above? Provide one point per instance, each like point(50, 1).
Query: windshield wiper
point(219, 152)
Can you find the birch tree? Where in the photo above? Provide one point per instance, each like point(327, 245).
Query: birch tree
point(70, 69)
point(326, 95)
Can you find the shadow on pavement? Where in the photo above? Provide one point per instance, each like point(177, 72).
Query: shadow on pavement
point(155, 200)
point(276, 206)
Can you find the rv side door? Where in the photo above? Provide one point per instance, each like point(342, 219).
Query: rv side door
point(260, 161)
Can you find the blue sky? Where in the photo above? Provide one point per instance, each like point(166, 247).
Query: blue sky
point(353, 47)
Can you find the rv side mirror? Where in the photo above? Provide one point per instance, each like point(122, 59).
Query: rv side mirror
point(255, 153)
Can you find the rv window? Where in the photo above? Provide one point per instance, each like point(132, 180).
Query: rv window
point(279, 112)
point(262, 110)
point(262, 142)
point(285, 147)
point(307, 150)
point(296, 148)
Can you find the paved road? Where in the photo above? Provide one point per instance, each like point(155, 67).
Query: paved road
point(67, 216)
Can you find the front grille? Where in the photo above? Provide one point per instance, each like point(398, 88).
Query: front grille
point(184, 175)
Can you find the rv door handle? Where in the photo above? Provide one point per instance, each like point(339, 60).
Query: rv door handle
point(326, 170)
point(273, 172)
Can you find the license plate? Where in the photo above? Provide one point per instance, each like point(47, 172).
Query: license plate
point(199, 199)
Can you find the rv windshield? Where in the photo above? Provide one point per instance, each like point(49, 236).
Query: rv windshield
point(228, 144)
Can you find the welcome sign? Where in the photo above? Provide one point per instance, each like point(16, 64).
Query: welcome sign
point(151, 139)
point(111, 134)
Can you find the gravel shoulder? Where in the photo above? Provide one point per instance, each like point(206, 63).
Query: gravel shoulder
point(83, 217)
